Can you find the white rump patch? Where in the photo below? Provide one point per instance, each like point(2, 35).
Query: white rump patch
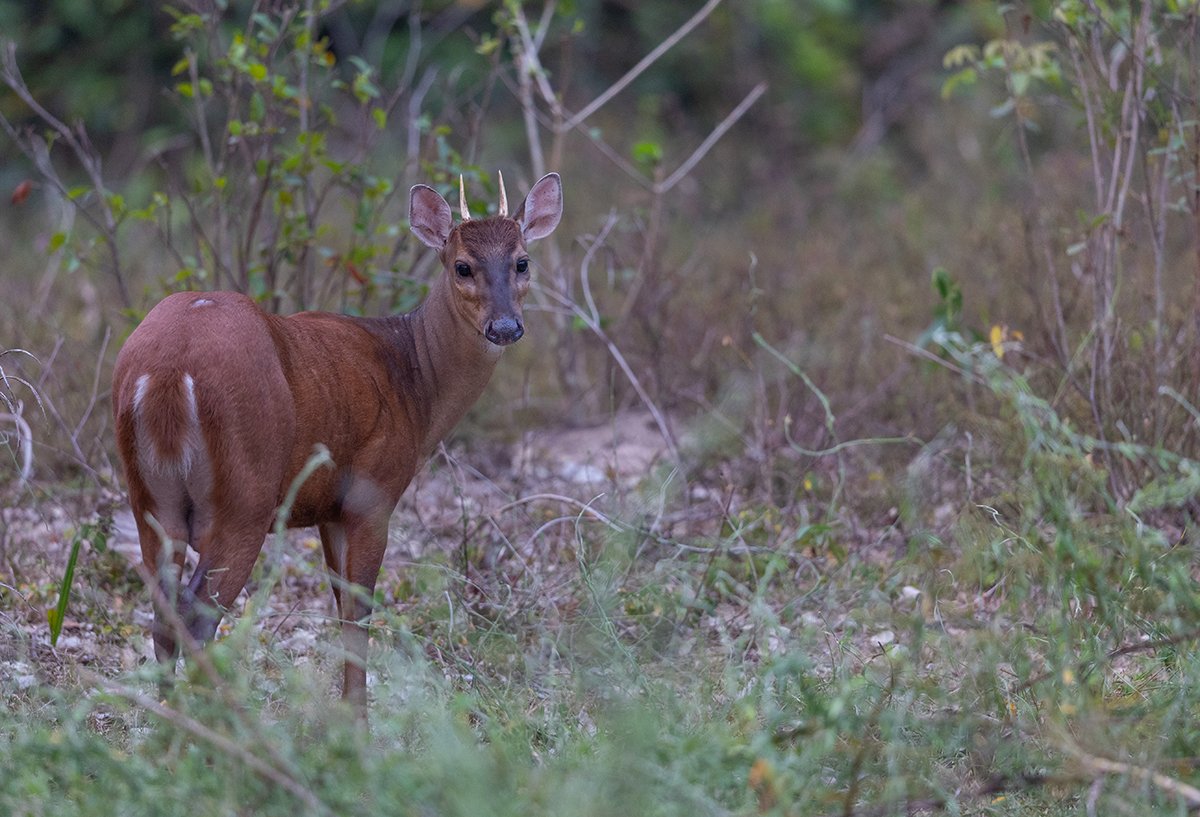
point(193, 439)
point(192, 449)
point(139, 392)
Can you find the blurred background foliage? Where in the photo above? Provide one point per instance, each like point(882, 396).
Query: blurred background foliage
point(895, 140)
point(108, 63)
point(831, 171)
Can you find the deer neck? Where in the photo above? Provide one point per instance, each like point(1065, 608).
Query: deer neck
point(453, 363)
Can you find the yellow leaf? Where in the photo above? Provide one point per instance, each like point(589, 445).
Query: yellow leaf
point(760, 773)
point(997, 338)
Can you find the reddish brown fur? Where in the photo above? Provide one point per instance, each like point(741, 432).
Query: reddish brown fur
point(378, 394)
point(166, 416)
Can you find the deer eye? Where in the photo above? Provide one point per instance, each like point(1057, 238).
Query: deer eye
point(463, 270)
point(523, 266)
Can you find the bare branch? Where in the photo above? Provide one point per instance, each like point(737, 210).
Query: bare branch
point(717, 132)
point(634, 381)
point(646, 61)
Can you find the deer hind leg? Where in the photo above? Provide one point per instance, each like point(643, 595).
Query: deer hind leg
point(164, 537)
point(228, 548)
point(354, 553)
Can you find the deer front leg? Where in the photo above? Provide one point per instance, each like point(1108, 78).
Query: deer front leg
point(354, 553)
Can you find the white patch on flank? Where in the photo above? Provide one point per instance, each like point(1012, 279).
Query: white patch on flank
point(363, 496)
point(202, 302)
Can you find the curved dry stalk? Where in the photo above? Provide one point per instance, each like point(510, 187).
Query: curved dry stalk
point(24, 443)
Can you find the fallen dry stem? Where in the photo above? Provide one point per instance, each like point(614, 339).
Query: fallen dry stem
point(1117, 652)
point(230, 747)
point(1103, 766)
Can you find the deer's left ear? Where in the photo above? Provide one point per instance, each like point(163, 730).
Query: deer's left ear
point(429, 215)
point(539, 214)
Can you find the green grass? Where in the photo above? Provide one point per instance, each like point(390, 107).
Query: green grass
point(1031, 670)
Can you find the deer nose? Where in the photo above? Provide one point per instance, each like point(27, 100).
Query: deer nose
point(503, 331)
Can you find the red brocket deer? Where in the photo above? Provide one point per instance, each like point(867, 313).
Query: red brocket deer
point(219, 405)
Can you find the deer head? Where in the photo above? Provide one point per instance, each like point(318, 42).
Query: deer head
point(485, 261)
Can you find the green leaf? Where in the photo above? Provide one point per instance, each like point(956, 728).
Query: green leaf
point(965, 78)
point(57, 615)
point(647, 152)
point(487, 45)
point(941, 282)
point(258, 107)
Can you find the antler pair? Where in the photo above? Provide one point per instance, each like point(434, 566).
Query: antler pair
point(462, 198)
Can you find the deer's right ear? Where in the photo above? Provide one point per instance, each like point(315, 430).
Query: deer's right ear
point(538, 215)
point(429, 215)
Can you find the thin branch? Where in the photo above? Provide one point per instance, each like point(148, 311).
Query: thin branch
point(91, 406)
point(646, 61)
point(599, 332)
point(912, 348)
point(10, 73)
point(717, 132)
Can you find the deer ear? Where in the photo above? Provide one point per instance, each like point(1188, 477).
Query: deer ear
point(538, 215)
point(429, 215)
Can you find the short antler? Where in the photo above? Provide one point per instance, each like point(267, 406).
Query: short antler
point(503, 197)
point(462, 199)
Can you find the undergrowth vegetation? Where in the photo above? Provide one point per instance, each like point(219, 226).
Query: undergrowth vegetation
point(862, 483)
